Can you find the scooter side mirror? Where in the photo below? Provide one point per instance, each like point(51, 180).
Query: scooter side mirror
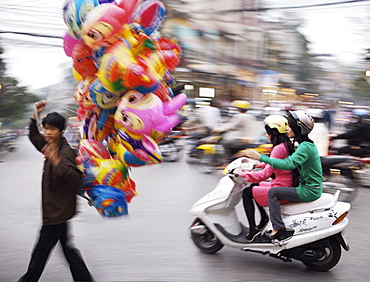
point(242, 163)
point(247, 164)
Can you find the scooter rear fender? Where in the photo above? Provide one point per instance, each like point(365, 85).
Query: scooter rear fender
point(341, 239)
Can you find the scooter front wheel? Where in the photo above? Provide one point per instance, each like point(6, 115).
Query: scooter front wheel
point(329, 256)
point(204, 239)
point(205, 163)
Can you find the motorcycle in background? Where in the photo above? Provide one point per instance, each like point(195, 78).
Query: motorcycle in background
point(172, 145)
point(209, 154)
point(317, 229)
point(341, 173)
point(363, 173)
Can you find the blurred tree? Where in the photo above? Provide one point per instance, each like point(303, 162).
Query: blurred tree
point(309, 72)
point(14, 100)
point(360, 87)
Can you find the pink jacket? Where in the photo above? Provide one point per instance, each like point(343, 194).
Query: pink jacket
point(283, 177)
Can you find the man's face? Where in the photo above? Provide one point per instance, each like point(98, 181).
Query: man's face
point(52, 134)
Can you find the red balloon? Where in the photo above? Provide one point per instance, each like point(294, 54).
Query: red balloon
point(92, 148)
point(83, 61)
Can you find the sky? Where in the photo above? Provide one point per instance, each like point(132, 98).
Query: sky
point(340, 30)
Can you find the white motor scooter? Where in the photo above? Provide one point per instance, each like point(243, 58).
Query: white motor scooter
point(316, 228)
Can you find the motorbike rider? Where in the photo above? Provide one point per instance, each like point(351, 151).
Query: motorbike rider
point(358, 136)
point(239, 131)
point(306, 159)
point(276, 127)
point(320, 133)
point(201, 121)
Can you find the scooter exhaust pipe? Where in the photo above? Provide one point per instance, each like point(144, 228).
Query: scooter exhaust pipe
point(198, 229)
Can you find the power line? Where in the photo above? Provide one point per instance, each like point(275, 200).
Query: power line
point(33, 34)
point(28, 43)
point(294, 7)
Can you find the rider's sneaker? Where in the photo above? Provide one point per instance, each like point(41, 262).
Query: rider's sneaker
point(253, 234)
point(279, 235)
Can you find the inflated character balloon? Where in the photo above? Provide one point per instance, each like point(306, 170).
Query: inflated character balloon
point(143, 113)
point(163, 92)
point(97, 55)
point(82, 93)
point(150, 15)
point(83, 98)
point(110, 172)
point(106, 1)
point(69, 44)
point(75, 13)
point(90, 127)
point(105, 100)
point(109, 201)
point(134, 149)
point(100, 168)
point(83, 61)
point(92, 148)
point(103, 25)
point(171, 51)
point(76, 75)
point(119, 70)
point(89, 151)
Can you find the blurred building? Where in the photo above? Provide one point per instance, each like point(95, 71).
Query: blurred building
point(236, 53)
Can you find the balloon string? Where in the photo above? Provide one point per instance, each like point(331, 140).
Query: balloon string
point(70, 113)
point(58, 106)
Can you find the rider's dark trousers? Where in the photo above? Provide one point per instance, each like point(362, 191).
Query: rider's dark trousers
point(354, 150)
point(276, 194)
point(49, 237)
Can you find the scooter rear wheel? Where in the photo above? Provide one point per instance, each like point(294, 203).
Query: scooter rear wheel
point(329, 257)
point(171, 152)
point(207, 242)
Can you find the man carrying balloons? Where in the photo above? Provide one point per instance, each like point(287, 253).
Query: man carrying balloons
point(61, 180)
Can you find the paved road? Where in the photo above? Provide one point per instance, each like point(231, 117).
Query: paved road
point(152, 243)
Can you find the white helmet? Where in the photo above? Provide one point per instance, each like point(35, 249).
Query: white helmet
point(315, 113)
point(304, 121)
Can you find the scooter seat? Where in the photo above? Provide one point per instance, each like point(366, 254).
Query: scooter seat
point(293, 208)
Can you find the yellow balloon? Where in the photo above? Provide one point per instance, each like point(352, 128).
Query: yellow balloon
point(76, 75)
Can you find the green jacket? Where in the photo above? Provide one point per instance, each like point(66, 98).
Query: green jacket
point(307, 160)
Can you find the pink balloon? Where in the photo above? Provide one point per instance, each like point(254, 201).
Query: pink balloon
point(68, 44)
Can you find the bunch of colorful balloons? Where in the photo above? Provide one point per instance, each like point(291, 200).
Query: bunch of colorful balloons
point(124, 67)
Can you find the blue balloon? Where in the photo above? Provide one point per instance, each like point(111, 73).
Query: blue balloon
point(109, 201)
